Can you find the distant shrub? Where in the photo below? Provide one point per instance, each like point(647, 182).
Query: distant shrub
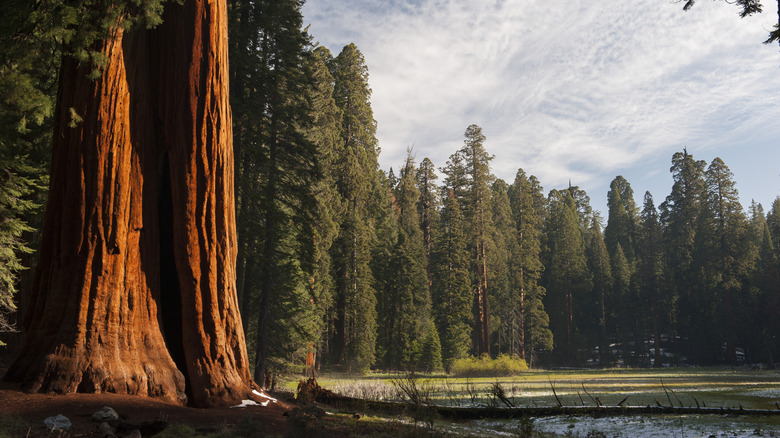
point(485, 366)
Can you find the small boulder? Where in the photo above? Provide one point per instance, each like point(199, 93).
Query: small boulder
point(58, 423)
point(106, 413)
point(105, 430)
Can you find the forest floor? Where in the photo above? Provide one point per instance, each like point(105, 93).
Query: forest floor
point(23, 415)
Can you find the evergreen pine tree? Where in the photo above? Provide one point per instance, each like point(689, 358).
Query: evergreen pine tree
point(650, 270)
point(330, 205)
point(13, 208)
point(405, 318)
point(502, 246)
point(29, 58)
point(601, 304)
point(621, 219)
point(532, 322)
point(452, 291)
point(567, 272)
point(468, 172)
point(725, 258)
point(428, 209)
point(621, 291)
point(678, 216)
point(278, 168)
point(758, 324)
point(357, 179)
point(431, 360)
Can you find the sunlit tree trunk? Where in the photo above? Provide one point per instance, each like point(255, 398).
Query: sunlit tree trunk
point(135, 289)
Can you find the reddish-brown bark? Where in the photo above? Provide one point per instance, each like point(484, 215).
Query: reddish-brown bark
point(135, 289)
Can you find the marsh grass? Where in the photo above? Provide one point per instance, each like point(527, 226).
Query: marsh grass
point(689, 387)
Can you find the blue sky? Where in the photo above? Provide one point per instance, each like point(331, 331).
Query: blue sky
point(570, 90)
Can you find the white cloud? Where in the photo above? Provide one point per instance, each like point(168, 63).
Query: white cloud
point(565, 89)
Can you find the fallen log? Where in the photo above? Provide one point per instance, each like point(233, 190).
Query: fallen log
point(473, 413)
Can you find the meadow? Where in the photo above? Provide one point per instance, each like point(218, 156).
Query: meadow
point(732, 389)
point(709, 387)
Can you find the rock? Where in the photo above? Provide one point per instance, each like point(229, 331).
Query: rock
point(105, 430)
point(105, 414)
point(58, 423)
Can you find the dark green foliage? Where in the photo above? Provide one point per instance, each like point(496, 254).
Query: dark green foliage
point(14, 188)
point(29, 59)
point(679, 215)
point(568, 278)
point(620, 232)
point(330, 205)
point(469, 177)
point(621, 222)
point(724, 258)
point(767, 281)
point(428, 209)
point(757, 320)
point(530, 322)
point(82, 24)
point(650, 273)
point(599, 308)
point(431, 351)
point(505, 319)
point(623, 302)
point(277, 167)
point(357, 179)
point(405, 305)
point(451, 283)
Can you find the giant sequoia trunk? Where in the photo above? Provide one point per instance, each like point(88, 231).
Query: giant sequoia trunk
point(135, 288)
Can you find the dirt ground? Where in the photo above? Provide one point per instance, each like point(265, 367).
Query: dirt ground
point(20, 410)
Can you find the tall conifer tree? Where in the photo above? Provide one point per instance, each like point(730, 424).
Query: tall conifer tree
point(428, 207)
point(474, 171)
point(503, 246)
point(330, 205)
point(763, 292)
point(278, 168)
point(567, 272)
point(357, 179)
point(724, 259)
point(601, 305)
point(406, 315)
point(650, 271)
point(452, 291)
point(621, 219)
point(29, 58)
point(679, 215)
point(532, 322)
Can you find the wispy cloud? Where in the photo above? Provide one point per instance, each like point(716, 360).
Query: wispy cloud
point(564, 89)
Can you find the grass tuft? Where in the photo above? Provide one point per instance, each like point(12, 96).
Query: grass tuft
point(484, 366)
